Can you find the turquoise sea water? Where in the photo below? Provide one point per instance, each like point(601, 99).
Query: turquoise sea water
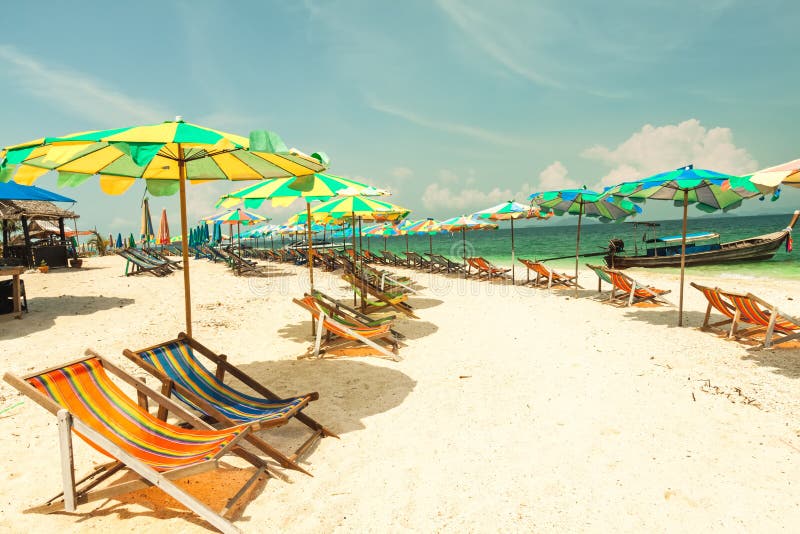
point(545, 240)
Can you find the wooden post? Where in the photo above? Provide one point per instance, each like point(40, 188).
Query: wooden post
point(578, 244)
point(67, 464)
point(353, 229)
point(430, 249)
point(464, 250)
point(683, 253)
point(26, 234)
point(5, 238)
point(309, 249)
point(513, 260)
point(187, 291)
point(61, 232)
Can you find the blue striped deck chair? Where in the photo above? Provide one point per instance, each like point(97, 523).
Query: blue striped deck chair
point(176, 365)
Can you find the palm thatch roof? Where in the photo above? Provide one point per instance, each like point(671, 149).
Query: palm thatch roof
point(13, 210)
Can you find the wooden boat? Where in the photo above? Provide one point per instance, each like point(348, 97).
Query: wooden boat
point(666, 251)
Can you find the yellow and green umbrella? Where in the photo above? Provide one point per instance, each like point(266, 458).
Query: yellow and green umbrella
point(367, 209)
point(317, 186)
point(238, 217)
point(509, 211)
point(462, 224)
point(165, 155)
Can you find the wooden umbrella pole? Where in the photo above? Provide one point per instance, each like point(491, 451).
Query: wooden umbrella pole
point(430, 250)
point(239, 237)
point(513, 260)
point(353, 231)
point(406, 242)
point(578, 245)
point(308, 246)
point(187, 291)
point(683, 253)
point(464, 248)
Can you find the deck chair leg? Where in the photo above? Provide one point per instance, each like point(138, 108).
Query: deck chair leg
point(707, 317)
point(166, 390)
point(633, 292)
point(67, 463)
point(318, 339)
point(773, 317)
point(277, 455)
point(734, 324)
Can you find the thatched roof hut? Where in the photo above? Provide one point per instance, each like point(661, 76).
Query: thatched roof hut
point(14, 210)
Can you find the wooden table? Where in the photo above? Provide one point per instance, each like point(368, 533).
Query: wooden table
point(14, 272)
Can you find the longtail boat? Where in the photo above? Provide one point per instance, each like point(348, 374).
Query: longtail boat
point(700, 249)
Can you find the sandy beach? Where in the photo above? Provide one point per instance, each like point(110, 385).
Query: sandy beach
point(513, 410)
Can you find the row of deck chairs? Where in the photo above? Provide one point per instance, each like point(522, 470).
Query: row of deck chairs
point(147, 262)
point(625, 290)
point(86, 399)
point(746, 316)
point(240, 265)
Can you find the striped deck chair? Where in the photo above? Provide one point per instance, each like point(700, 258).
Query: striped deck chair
point(780, 327)
point(176, 364)
point(349, 315)
point(347, 334)
point(134, 265)
point(85, 400)
point(489, 269)
point(546, 277)
point(602, 276)
point(383, 299)
point(631, 291)
point(719, 300)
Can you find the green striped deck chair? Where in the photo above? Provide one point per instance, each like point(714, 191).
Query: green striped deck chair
point(602, 276)
point(86, 401)
point(182, 373)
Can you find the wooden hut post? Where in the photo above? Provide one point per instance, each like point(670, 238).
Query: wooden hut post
point(61, 233)
point(26, 234)
point(5, 239)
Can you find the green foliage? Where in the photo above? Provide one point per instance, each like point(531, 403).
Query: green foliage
point(98, 243)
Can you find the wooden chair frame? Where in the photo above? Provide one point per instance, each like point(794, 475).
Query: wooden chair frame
point(81, 491)
point(223, 367)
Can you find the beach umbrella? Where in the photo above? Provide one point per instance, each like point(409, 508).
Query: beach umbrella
point(428, 227)
point(131, 241)
point(509, 211)
point(119, 241)
point(165, 155)
point(314, 187)
point(385, 230)
point(238, 217)
point(146, 232)
point(217, 238)
point(784, 174)
point(463, 224)
point(708, 190)
point(582, 202)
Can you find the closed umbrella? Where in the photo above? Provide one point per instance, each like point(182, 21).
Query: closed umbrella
point(119, 241)
point(163, 230)
point(146, 232)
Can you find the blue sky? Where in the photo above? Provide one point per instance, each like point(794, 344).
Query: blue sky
point(452, 105)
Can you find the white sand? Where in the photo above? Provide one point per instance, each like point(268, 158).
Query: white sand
point(514, 409)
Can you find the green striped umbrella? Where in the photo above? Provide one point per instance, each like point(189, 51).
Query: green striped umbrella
point(462, 224)
point(582, 202)
point(509, 211)
point(708, 190)
point(317, 186)
point(165, 155)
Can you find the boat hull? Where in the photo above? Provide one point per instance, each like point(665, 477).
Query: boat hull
point(753, 249)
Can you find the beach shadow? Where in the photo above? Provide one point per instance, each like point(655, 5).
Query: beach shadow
point(43, 311)
point(298, 332)
point(666, 316)
point(350, 390)
point(213, 488)
point(422, 303)
point(784, 360)
point(411, 329)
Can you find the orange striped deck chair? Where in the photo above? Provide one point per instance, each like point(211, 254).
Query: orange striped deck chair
point(486, 267)
point(780, 327)
point(546, 277)
point(87, 402)
point(182, 374)
point(338, 335)
point(633, 292)
point(722, 301)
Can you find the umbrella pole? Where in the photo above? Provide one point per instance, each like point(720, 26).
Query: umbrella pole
point(353, 231)
point(385, 244)
point(309, 248)
point(513, 260)
point(683, 253)
point(187, 292)
point(464, 248)
point(578, 246)
point(239, 237)
point(406, 243)
point(430, 250)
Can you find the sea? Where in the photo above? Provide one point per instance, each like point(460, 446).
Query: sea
point(541, 240)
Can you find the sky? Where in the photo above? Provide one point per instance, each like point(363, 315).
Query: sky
point(452, 105)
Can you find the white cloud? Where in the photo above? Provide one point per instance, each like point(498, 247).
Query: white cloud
point(401, 172)
point(467, 130)
point(555, 176)
point(75, 92)
point(458, 195)
point(656, 149)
